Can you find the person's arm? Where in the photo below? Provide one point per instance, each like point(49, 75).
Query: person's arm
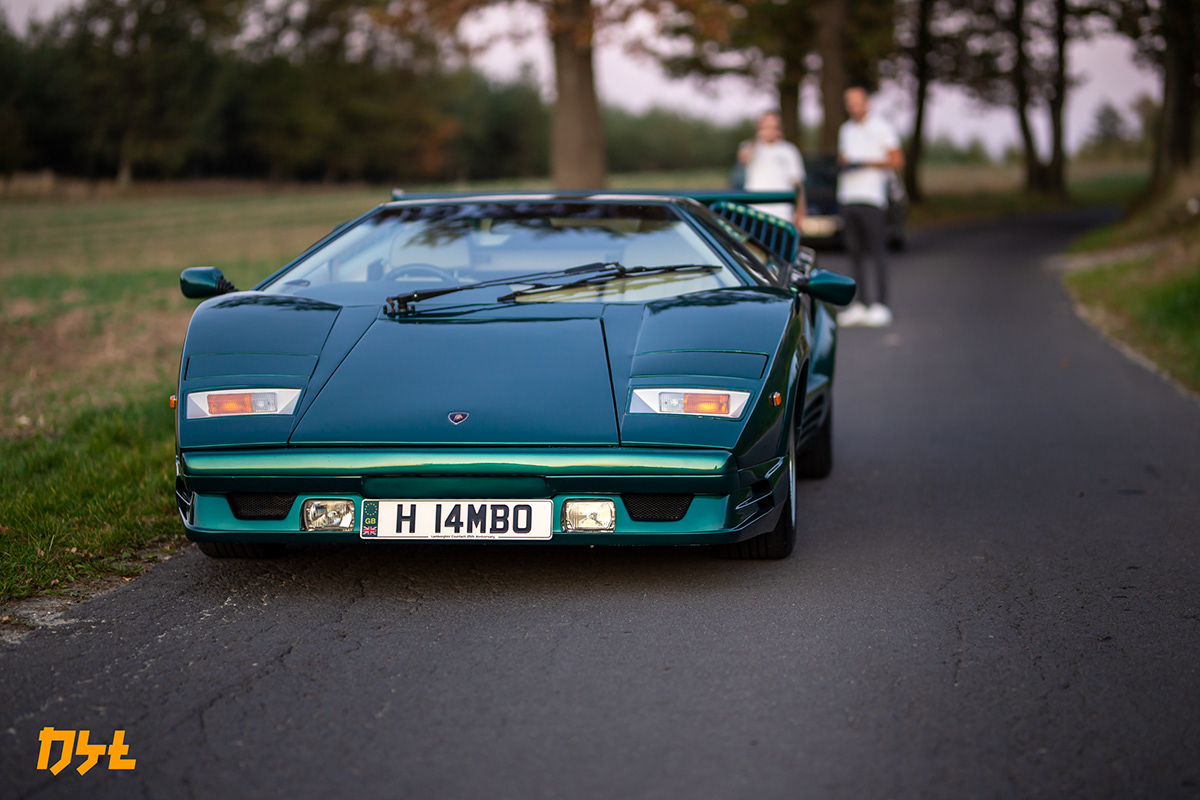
point(891, 142)
point(893, 160)
point(799, 173)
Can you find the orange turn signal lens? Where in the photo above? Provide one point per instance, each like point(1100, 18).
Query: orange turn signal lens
point(697, 402)
point(230, 404)
point(174, 401)
point(223, 403)
point(705, 403)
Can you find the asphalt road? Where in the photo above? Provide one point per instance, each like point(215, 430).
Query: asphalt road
point(996, 594)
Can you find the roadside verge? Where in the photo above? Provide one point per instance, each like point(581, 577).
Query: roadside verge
point(1144, 294)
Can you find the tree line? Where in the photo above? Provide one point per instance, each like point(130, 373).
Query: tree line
point(1004, 53)
point(382, 89)
point(197, 88)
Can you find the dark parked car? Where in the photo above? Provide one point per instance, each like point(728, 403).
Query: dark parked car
point(823, 223)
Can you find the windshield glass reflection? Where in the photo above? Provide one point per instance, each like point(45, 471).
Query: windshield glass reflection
point(410, 248)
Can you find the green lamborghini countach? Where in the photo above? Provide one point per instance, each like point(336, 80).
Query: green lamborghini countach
point(572, 368)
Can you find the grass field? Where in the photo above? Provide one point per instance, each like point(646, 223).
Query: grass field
point(92, 324)
point(1151, 304)
point(1148, 294)
point(972, 193)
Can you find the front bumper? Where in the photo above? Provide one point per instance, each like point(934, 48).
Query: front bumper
point(729, 504)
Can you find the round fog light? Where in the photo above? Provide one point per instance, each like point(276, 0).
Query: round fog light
point(327, 515)
point(593, 516)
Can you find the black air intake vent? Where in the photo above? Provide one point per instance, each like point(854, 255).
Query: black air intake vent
point(183, 499)
point(260, 505)
point(656, 507)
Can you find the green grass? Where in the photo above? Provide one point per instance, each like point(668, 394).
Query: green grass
point(85, 502)
point(1108, 190)
point(1152, 306)
point(1150, 302)
point(1152, 224)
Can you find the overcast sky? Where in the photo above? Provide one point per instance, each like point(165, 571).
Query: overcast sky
point(1103, 68)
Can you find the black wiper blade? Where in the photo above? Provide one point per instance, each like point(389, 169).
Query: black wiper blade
point(402, 303)
point(604, 277)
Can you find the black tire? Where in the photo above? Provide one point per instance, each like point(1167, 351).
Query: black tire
point(815, 460)
point(778, 542)
point(241, 549)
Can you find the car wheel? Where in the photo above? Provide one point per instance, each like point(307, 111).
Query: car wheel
point(241, 549)
point(815, 461)
point(781, 540)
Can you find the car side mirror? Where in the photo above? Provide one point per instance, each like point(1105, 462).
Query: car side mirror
point(200, 282)
point(829, 287)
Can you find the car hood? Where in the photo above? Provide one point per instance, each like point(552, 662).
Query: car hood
point(526, 374)
point(454, 381)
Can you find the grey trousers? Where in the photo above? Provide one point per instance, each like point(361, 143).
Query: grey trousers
point(866, 235)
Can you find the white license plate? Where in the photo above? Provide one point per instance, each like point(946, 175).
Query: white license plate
point(457, 519)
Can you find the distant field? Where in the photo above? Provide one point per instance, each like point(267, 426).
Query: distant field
point(92, 325)
point(964, 193)
point(998, 179)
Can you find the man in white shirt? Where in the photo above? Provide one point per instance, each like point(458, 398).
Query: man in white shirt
point(868, 152)
point(773, 164)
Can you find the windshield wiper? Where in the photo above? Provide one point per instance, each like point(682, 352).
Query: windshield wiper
point(603, 277)
point(401, 303)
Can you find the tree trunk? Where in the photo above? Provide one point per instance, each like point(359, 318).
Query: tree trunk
point(1173, 145)
point(922, 47)
point(1056, 174)
point(789, 97)
point(830, 19)
point(577, 138)
point(125, 161)
point(1019, 76)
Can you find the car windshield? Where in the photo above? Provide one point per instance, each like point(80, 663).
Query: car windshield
point(410, 248)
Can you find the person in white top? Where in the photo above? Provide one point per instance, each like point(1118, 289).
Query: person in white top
point(773, 164)
point(868, 153)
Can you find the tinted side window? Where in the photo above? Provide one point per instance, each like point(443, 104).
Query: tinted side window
point(725, 235)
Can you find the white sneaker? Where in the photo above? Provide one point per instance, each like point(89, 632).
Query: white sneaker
point(877, 316)
point(855, 314)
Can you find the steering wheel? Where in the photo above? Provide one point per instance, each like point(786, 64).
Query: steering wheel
point(420, 267)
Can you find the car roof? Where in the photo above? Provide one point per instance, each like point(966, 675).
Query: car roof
point(400, 197)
